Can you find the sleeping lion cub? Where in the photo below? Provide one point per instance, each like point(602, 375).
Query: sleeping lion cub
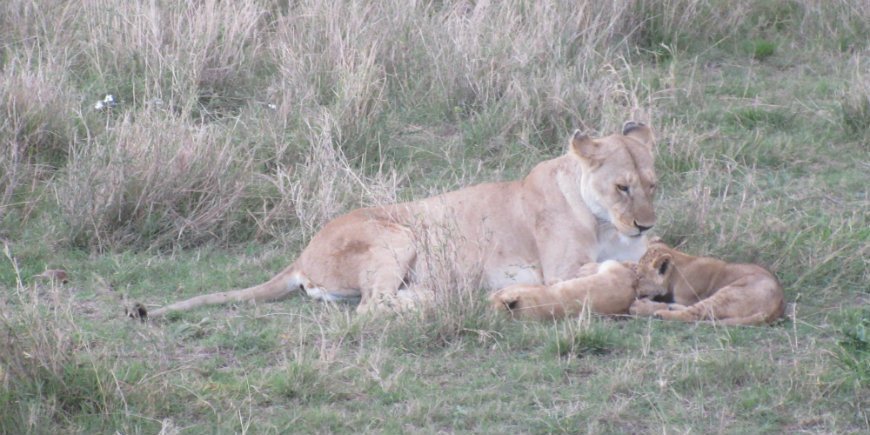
point(705, 288)
point(606, 288)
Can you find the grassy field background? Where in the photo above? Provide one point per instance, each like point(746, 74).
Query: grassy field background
point(238, 128)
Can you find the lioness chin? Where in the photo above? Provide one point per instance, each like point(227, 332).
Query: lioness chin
point(705, 288)
point(589, 205)
point(603, 288)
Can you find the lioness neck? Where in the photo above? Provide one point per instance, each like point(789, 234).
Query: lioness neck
point(569, 174)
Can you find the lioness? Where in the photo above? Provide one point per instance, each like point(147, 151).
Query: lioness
point(705, 288)
point(605, 288)
point(591, 204)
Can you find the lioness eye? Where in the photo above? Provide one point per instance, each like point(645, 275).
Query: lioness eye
point(652, 186)
point(622, 188)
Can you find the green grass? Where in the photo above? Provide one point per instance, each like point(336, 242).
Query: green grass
point(276, 118)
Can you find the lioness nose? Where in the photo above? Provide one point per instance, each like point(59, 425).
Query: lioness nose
point(641, 227)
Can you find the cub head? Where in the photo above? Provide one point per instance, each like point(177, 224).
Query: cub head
point(618, 180)
point(654, 269)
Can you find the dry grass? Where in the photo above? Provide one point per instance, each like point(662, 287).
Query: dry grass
point(261, 120)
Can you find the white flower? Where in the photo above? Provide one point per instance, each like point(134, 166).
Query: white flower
point(108, 102)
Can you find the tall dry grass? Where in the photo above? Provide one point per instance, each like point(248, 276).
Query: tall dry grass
point(33, 126)
point(152, 179)
point(254, 94)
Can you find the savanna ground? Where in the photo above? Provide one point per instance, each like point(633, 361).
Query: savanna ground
point(240, 127)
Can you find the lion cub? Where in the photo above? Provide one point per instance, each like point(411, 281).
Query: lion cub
point(606, 288)
point(705, 288)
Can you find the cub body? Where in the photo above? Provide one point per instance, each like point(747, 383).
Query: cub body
point(705, 288)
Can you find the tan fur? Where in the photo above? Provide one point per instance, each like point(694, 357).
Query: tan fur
point(603, 288)
point(567, 212)
point(708, 289)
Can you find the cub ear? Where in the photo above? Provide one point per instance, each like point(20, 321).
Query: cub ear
point(639, 131)
point(584, 146)
point(662, 264)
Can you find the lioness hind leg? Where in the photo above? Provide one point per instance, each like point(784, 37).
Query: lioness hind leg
point(386, 270)
point(415, 298)
point(381, 292)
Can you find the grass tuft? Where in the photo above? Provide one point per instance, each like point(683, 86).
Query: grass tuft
point(49, 375)
point(852, 352)
point(855, 106)
point(761, 49)
point(581, 337)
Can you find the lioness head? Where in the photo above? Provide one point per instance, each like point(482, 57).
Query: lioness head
point(619, 181)
point(654, 269)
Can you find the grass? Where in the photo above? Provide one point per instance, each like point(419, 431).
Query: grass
point(242, 127)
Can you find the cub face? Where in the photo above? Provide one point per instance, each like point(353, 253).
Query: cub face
point(619, 181)
point(654, 271)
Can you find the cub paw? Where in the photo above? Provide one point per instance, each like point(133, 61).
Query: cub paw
point(644, 307)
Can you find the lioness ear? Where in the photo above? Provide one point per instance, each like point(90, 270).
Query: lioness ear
point(584, 146)
point(639, 131)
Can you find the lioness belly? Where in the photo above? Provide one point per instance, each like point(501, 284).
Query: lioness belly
point(325, 295)
point(509, 274)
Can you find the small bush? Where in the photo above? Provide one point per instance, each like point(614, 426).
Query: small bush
point(457, 314)
point(775, 15)
point(761, 49)
point(34, 129)
point(581, 337)
point(154, 181)
point(320, 185)
point(853, 346)
point(48, 376)
point(755, 117)
point(700, 377)
point(303, 379)
point(855, 108)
